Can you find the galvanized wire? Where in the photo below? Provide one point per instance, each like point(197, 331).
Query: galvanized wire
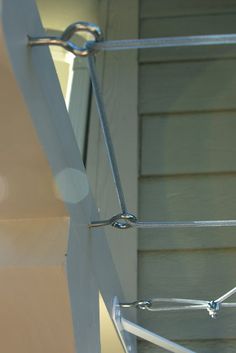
point(132, 221)
point(165, 42)
point(125, 219)
point(179, 308)
point(226, 295)
point(212, 306)
point(106, 133)
point(190, 307)
point(177, 300)
point(185, 224)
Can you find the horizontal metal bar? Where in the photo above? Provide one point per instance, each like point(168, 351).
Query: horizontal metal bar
point(164, 42)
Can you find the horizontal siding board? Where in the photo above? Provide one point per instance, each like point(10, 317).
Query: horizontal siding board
point(199, 238)
point(214, 346)
point(187, 86)
point(166, 8)
point(192, 197)
point(196, 25)
point(191, 143)
point(188, 274)
point(188, 197)
point(187, 53)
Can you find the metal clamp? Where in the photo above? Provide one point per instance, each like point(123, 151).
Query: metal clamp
point(65, 42)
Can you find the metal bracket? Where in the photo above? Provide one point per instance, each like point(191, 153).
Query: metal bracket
point(126, 328)
point(125, 338)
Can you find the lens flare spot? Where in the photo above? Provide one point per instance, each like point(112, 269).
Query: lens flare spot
point(71, 185)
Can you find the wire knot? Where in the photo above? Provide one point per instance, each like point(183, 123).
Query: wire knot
point(123, 221)
point(213, 307)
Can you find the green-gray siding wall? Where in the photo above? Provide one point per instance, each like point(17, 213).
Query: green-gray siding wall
point(187, 106)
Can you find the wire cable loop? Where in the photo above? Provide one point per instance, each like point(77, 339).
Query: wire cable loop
point(120, 221)
point(213, 306)
point(138, 304)
point(65, 42)
point(97, 44)
point(124, 221)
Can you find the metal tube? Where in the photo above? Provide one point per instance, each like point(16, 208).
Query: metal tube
point(153, 337)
